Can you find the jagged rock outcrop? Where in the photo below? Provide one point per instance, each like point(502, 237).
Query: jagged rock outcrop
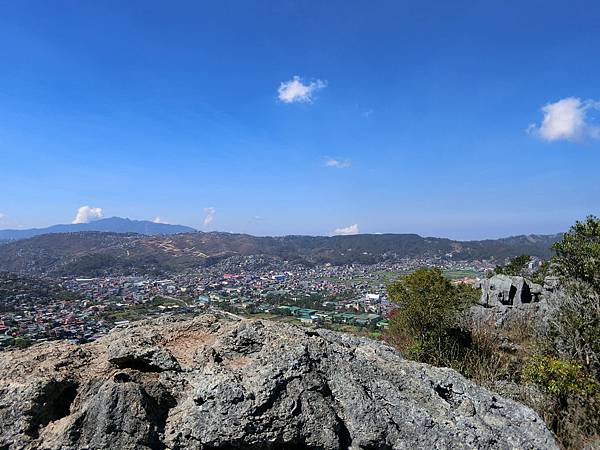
point(209, 383)
point(505, 290)
point(505, 299)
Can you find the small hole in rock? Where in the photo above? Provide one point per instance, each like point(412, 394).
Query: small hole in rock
point(121, 377)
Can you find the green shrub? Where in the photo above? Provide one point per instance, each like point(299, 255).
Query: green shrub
point(578, 254)
point(22, 342)
point(515, 267)
point(573, 328)
point(425, 326)
point(575, 398)
point(560, 378)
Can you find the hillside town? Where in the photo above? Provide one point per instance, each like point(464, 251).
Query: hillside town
point(84, 309)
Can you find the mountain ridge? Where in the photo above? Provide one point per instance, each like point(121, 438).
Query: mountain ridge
point(110, 224)
point(96, 253)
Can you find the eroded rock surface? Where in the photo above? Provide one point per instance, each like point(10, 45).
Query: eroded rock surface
point(506, 299)
point(210, 383)
point(505, 290)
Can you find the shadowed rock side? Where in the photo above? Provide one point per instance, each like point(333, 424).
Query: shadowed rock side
point(209, 383)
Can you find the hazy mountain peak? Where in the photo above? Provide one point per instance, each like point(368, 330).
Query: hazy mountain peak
point(110, 224)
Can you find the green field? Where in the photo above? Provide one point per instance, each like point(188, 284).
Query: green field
point(461, 273)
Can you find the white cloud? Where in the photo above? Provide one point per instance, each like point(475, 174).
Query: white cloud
point(295, 90)
point(338, 163)
point(567, 119)
point(158, 219)
point(7, 221)
point(87, 214)
point(352, 229)
point(210, 215)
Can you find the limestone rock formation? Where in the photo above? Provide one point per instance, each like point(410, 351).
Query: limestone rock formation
point(505, 290)
point(211, 383)
point(507, 298)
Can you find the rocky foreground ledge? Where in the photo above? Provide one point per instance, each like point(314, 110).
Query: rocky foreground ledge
point(210, 383)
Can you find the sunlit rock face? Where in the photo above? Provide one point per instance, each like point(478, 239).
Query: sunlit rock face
point(212, 383)
point(508, 299)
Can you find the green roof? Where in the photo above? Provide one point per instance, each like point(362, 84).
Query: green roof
point(290, 308)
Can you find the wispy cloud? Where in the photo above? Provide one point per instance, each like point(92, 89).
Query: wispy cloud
point(158, 219)
point(338, 163)
point(368, 113)
point(210, 216)
point(567, 119)
point(295, 91)
point(352, 229)
point(87, 214)
point(7, 221)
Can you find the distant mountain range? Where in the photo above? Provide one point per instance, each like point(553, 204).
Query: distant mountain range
point(112, 225)
point(97, 253)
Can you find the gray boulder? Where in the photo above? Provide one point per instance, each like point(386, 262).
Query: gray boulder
point(507, 300)
point(210, 383)
point(504, 290)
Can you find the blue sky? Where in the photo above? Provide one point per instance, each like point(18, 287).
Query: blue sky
point(464, 119)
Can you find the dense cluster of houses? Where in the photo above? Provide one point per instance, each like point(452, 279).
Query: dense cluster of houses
point(319, 295)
